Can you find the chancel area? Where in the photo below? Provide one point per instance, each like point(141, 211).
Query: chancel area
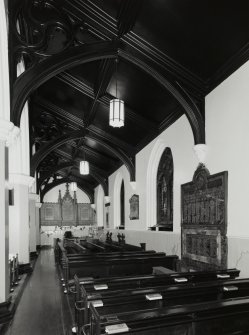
point(124, 167)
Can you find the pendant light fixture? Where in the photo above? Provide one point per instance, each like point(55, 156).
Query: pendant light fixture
point(84, 165)
point(73, 187)
point(116, 116)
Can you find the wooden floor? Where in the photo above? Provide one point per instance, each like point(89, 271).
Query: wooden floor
point(43, 309)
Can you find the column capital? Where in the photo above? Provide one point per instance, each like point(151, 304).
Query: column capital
point(107, 199)
point(21, 179)
point(133, 185)
point(8, 132)
point(201, 152)
point(34, 196)
point(38, 204)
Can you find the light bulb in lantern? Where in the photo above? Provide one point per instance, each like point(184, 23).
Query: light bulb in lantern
point(116, 113)
point(84, 167)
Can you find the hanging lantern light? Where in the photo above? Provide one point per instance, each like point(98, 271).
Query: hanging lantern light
point(73, 187)
point(84, 167)
point(116, 115)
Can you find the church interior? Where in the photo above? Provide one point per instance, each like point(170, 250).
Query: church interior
point(124, 167)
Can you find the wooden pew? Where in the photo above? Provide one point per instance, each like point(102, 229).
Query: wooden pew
point(92, 245)
point(100, 246)
point(74, 247)
point(59, 252)
point(116, 266)
point(167, 288)
point(116, 246)
point(111, 254)
point(225, 316)
point(171, 278)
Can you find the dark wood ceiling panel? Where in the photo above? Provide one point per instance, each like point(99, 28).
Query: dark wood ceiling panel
point(111, 7)
point(187, 46)
point(141, 93)
point(66, 97)
point(136, 131)
point(86, 72)
point(200, 35)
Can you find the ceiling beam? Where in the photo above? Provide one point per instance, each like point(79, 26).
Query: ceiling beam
point(65, 157)
point(94, 153)
point(100, 86)
point(57, 182)
point(127, 15)
point(102, 181)
point(78, 124)
point(47, 148)
point(74, 82)
point(35, 76)
point(95, 17)
point(105, 74)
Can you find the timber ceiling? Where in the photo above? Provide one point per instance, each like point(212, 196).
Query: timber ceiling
point(171, 53)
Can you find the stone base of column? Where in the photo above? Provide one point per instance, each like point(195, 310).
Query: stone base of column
point(5, 313)
point(25, 268)
point(33, 254)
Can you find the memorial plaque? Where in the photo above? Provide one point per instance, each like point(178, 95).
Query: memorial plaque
point(204, 220)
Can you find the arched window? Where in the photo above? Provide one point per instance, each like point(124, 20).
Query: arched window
point(122, 206)
point(165, 175)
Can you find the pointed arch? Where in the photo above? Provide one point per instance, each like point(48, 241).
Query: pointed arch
point(83, 188)
point(32, 78)
point(151, 182)
point(100, 179)
point(122, 205)
point(116, 199)
point(57, 142)
point(164, 189)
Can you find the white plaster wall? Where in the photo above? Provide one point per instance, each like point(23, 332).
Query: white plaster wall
point(121, 173)
point(19, 230)
point(227, 124)
point(170, 243)
point(52, 195)
point(37, 223)
point(180, 139)
point(49, 233)
point(99, 202)
point(32, 225)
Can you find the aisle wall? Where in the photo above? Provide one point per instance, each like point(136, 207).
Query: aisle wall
point(227, 122)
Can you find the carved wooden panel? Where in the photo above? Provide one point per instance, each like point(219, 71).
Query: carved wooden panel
point(85, 214)
point(68, 208)
point(50, 214)
point(67, 212)
point(204, 220)
point(165, 191)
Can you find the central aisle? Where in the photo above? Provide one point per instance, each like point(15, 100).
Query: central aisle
point(43, 309)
